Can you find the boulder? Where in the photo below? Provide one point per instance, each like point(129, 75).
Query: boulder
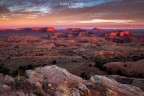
point(32, 75)
point(55, 78)
point(82, 88)
point(4, 88)
point(112, 88)
point(74, 92)
point(59, 93)
point(5, 79)
point(54, 74)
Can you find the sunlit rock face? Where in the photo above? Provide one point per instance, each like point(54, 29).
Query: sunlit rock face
point(123, 36)
point(50, 29)
point(123, 33)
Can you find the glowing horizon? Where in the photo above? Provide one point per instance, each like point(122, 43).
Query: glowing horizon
point(72, 13)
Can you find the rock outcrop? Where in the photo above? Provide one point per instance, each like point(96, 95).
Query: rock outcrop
point(55, 81)
point(139, 82)
point(50, 29)
point(110, 87)
point(127, 68)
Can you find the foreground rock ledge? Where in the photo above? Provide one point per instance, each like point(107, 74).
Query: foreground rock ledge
point(55, 81)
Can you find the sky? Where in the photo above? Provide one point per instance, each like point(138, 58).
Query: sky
point(72, 13)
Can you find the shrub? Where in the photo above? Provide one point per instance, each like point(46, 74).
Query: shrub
point(85, 75)
point(40, 54)
point(54, 62)
point(29, 67)
point(90, 65)
point(119, 72)
point(8, 58)
point(125, 65)
point(100, 62)
point(22, 68)
point(4, 70)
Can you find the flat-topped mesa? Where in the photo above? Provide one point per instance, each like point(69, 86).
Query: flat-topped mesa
point(123, 36)
point(123, 33)
point(50, 29)
point(73, 29)
point(36, 29)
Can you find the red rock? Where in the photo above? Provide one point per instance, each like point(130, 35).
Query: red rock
point(51, 29)
point(119, 33)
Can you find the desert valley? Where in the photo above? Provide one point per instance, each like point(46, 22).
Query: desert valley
point(71, 47)
point(103, 54)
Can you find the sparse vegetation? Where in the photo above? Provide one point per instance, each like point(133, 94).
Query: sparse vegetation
point(54, 62)
point(85, 75)
point(90, 65)
point(4, 70)
point(26, 67)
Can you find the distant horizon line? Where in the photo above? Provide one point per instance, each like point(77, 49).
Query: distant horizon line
point(56, 27)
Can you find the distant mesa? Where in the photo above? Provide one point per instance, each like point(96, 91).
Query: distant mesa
point(46, 29)
point(41, 29)
point(97, 29)
point(34, 29)
point(122, 36)
point(73, 29)
point(50, 29)
point(122, 33)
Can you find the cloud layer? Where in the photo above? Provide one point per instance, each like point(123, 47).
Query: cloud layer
point(72, 12)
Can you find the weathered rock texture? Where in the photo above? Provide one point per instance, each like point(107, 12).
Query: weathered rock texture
point(55, 81)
